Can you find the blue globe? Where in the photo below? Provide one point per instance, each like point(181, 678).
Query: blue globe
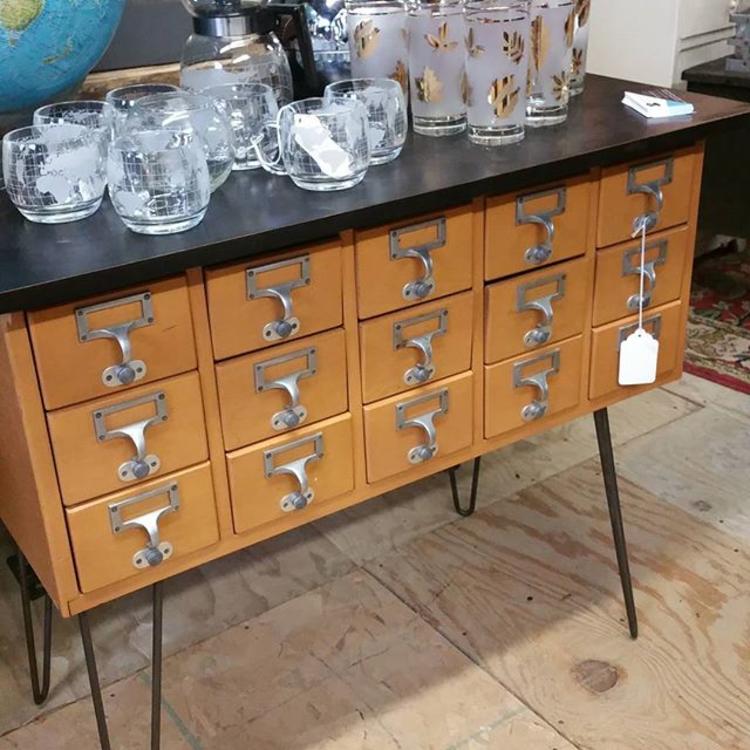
point(49, 46)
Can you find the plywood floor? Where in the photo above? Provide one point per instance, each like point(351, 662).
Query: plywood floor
point(397, 625)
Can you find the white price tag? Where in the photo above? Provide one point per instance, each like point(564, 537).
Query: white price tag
point(313, 136)
point(639, 357)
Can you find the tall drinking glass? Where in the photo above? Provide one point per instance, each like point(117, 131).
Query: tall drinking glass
point(580, 47)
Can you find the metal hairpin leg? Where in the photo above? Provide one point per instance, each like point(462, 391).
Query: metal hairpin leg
point(156, 667)
point(604, 438)
point(465, 512)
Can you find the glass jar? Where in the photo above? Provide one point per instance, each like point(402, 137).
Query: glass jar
point(580, 47)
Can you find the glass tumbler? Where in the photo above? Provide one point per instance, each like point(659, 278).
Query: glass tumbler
point(551, 61)
point(247, 106)
point(378, 42)
point(580, 47)
point(123, 99)
point(437, 66)
point(89, 113)
point(55, 173)
point(158, 180)
point(386, 113)
point(497, 67)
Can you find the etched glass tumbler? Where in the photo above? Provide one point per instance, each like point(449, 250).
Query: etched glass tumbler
point(386, 113)
point(89, 113)
point(377, 40)
point(580, 47)
point(123, 99)
point(551, 61)
point(437, 66)
point(497, 66)
point(55, 173)
point(158, 181)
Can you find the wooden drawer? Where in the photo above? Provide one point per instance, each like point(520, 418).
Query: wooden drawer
point(629, 191)
point(96, 443)
point(109, 537)
point(530, 389)
point(263, 479)
point(78, 356)
point(416, 346)
point(536, 309)
point(538, 227)
point(666, 323)
point(401, 265)
point(618, 275)
point(246, 301)
point(397, 430)
point(269, 392)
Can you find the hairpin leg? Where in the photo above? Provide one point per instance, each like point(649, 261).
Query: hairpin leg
point(465, 512)
point(606, 454)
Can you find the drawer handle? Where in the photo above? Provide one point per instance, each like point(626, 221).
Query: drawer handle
point(302, 497)
point(652, 189)
point(288, 325)
point(543, 332)
point(129, 370)
point(428, 450)
point(424, 370)
point(424, 286)
point(143, 464)
point(652, 324)
point(294, 413)
point(539, 380)
point(629, 268)
point(157, 551)
point(542, 252)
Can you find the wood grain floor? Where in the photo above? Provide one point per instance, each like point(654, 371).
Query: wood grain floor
point(395, 625)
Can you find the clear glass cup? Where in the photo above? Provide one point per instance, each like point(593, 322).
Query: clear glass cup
point(437, 66)
point(158, 180)
point(89, 113)
point(497, 67)
point(550, 61)
point(386, 113)
point(322, 145)
point(247, 106)
point(378, 41)
point(55, 173)
point(123, 99)
point(580, 47)
point(190, 113)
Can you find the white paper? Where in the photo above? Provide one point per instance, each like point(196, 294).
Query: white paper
point(312, 136)
point(639, 358)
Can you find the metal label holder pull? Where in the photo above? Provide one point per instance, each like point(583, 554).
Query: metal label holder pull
point(424, 370)
point(288, 325)
point(542, 252)
point(157, 551)
point(294, 414)
point(543, 332)
point(424, 286)
point(631, 266)
point(302, 497)
point(652, 189)
point(540, 380)
point(142, 464)
point(426, 422)
point(129, 370)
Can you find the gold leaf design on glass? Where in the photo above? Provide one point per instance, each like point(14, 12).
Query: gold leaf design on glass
point(366, 38)
point(514, 46)
point(474, 50)
point(583, 9)
point(561, 86)
point(441, 43)
point(467, 92)
point(401, 74)
point(539, 42)
point(577, 62)
point(503, 96)
point(570, 29)
point(429, 87)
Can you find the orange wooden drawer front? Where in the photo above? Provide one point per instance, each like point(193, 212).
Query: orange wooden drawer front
point(262, 479)
point(620, 203)
point(394, 346)
point(664, 322)
point(246, 316)
point(618, 275)
point(393, 438)
point(514, 243)
point(254, 403)
point(72, 369)
point(532, 387)
point(104, 556)
point(518, 310)
point(389, 271)
point(175, 437)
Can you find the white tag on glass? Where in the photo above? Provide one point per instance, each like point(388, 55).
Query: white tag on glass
point(639, 357)
point(312, 136)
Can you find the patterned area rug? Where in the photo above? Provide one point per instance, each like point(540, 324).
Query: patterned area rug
point(718, 346)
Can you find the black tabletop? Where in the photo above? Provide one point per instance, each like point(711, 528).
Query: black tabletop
point(715, 73)
point(256, 213)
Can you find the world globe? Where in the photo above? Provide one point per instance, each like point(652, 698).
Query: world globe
point(47, 47)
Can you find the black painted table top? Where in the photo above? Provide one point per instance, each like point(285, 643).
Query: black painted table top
point(715, 72)
point(256, 213)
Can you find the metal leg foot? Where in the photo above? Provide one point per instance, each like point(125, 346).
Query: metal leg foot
point(604, 438)
point(469, 510)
